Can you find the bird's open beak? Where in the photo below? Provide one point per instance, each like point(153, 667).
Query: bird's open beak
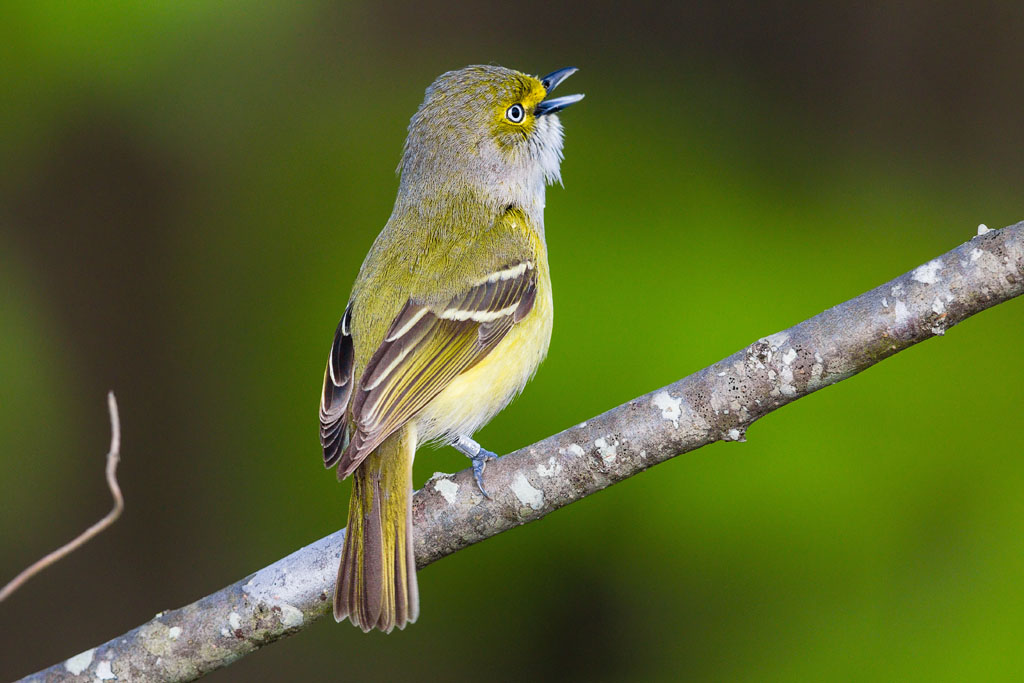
point(550, 82)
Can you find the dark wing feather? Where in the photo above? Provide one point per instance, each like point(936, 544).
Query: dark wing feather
point(426, 348)
point(337, 392)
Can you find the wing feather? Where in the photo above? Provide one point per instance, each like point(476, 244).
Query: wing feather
point(426, 347)
point(337, 391)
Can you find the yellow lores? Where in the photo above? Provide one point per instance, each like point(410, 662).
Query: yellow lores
point(448, 319)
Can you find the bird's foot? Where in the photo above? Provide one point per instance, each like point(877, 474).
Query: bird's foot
point(479, 456)
point(479, 462)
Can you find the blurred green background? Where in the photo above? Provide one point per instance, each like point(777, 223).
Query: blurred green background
point(188, 188)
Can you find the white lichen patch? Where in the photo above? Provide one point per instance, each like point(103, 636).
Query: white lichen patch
point(902, 312)
point(174, 632)
point(938, 307)
point(885, 302)
point(448, 489)
point(789, 356)
point(815, 380)
point(733, 435)
point(669, 407)
point(983, 229)
point(224, 632)
point(573, 449)
point(526, 493)
point(976, 254)
point(607, 451)
point(581, 425)
point(235, 621)
point(291, 616)
point(928, 273)
point(552, 469)
point(786, 387)
point(104, 672)
point(80, 662)
point(643, 455)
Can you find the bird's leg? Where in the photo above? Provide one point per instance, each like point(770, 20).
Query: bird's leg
point(478, 454)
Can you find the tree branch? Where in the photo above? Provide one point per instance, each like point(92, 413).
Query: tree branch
point(715, 404)
point(113, 457)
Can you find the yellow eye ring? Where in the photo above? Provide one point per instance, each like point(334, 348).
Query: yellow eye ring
point(515, 113)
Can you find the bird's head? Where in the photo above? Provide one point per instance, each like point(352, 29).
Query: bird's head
point(488, 127)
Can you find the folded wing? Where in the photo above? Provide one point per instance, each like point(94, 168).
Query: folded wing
point(425, 348)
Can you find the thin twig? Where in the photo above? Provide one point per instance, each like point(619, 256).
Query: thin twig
point(113, 457)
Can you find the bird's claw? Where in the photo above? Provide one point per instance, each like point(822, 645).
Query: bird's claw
point(479, 462)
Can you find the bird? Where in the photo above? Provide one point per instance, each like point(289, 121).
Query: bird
point(448, 319)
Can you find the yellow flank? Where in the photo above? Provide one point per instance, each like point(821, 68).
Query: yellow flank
point(477, 395)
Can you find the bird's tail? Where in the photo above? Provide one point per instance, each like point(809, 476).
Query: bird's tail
point(377, 577)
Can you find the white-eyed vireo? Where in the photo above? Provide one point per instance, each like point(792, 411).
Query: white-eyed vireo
point(448, 319)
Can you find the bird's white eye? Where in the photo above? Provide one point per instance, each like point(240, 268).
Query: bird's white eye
point(515, 113)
